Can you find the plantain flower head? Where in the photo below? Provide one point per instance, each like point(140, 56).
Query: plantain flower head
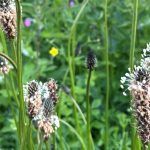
point(91, 60)
point(137, 82)
point(40, 99)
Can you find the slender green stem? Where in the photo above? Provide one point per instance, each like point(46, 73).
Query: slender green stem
point(75, 132)
point(107, 77)
point(3, 40)
point(46, 145)
point(54, 141)
point(131, 60)
point(79, 109)
point(29, 136)
point(71, 56)
point(88, 111)
point(59, 113)
point(133, 33)
point(40, 141)
point(14, 50)
point(71, 70)
point(61, 139)
point(19, 75)
point(79, 14)
point(9, 59)
point(14, 92)
point(137, 144)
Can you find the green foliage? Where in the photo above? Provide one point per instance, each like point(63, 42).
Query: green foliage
point(51, 23)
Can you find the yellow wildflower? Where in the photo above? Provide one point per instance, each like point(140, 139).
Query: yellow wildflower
point(53, 51)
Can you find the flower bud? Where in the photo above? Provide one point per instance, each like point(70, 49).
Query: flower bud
point(91, 60)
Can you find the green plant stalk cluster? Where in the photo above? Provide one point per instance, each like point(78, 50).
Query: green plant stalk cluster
point(19, 77)
point(18, 73)
point(9, 80)
point(71, 48)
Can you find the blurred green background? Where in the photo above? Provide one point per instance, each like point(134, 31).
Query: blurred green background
point(47, 24)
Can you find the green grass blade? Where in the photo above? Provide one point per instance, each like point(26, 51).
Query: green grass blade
point(79, 109)
point(75, 132)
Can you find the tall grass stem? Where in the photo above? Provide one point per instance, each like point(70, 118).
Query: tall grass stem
point(107, 75)
point(88, 110)
point(133, 33)
point(75, 132)
point(71, 58)
point(19, 76)
point(131, 63)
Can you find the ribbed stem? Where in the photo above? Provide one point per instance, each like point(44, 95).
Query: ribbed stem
point(131, 63)
point(19, 75)
point(133, 33)
point(107, 77)
point(14, 50)
point(14, 92)
point(88, 111)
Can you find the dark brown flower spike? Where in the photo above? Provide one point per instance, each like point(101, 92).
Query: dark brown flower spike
point(91, 60)
point(138, 83)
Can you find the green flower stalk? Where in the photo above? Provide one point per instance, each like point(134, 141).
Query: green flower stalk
point(135, 143)
point(90, 64)
point(106, 59)
point(22, 127)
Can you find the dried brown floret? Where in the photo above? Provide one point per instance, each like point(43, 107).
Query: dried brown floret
point(8, 18)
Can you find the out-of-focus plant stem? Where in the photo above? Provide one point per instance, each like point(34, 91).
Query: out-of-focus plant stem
point(54, 141)
point(74, 132)
point(88, 110)
point(40, 141)
point(71, 57)
point(19, 77)
point(135, 141)
point(133, 33)
point(14, 50)
point(10, 83)
point(107, 75)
